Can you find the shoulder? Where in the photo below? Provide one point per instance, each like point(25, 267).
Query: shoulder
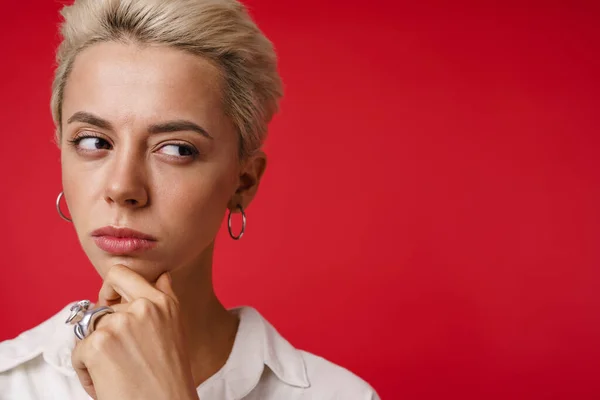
point(37, 362)
point(28, 345)
point(295, 372)
point(335, 381)
point(45, 339)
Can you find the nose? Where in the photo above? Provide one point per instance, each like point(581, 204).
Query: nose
point(126, 182)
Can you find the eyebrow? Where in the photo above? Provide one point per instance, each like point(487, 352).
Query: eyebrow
point(89, 118)
point(179, 125)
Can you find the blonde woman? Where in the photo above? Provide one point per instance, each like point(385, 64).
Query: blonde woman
point(161, 108)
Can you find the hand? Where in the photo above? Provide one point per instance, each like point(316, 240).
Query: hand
point(139, 351)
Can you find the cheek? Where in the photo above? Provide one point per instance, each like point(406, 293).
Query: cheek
point(193, 206)
point(71, 183)
point(81, 184)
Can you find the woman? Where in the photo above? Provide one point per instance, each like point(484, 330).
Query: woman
point(161, 108)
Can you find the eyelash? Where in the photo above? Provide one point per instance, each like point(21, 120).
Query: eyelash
point(77, 139)
point(194, 152)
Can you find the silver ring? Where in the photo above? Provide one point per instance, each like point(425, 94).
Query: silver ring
point(84, 319)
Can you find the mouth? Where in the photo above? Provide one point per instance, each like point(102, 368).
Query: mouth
point(122, 241)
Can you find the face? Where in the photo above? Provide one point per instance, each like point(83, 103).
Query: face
point(149, 159)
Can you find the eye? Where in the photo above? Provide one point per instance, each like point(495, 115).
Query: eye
point(93, 143)
point(178, 150)
point(90, 143)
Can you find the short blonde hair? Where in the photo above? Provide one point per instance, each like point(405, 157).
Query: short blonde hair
point(218, 30)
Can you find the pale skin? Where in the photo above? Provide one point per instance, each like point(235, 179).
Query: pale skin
point(169, 332)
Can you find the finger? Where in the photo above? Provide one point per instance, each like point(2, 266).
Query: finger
point(82, 372)
point(164, 284)
point(128, 284)
point(108, 296)
point(105, 321)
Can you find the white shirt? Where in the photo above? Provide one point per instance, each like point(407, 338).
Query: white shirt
point(262, 365)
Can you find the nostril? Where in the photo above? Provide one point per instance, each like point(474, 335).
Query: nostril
point(131, 202)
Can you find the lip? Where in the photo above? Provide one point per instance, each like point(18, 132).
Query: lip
point(121, 240)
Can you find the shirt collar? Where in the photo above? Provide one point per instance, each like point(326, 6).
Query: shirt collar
point(257, 343)
point(60, 343)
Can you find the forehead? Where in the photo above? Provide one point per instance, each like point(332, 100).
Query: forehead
point(128, 82)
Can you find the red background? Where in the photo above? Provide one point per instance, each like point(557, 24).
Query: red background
point(429, 218)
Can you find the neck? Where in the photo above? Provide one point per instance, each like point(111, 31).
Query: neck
point(209, 328)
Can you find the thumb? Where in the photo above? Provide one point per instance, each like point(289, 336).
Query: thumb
point(164, 284)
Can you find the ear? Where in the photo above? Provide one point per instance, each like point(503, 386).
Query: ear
point(250, 175)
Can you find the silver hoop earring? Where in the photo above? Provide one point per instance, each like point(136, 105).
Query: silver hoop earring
point(60, 195)
point(238, 237)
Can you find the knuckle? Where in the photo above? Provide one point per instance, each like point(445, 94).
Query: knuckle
point(99, 341)
point(118, 321)
point(143, 306)
point(113, 272)
point(110, 274)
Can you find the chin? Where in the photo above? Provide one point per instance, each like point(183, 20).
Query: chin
point(148, 269)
